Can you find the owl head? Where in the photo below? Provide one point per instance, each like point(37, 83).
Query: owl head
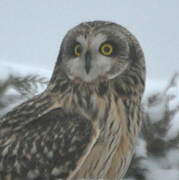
point(99, 51)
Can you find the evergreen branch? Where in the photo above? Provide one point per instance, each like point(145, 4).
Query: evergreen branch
point(27, 86)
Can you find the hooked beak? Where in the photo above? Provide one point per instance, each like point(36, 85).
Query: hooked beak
point(87, 61)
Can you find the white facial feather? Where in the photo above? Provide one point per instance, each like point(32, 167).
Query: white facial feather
point(99, 66)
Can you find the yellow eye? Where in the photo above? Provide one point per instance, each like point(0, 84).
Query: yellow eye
point(106, 49)
point(77, 50)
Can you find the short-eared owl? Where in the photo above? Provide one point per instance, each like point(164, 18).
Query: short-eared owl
point(84, 125)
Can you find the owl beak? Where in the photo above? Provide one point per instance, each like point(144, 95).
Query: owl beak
point(87, 61)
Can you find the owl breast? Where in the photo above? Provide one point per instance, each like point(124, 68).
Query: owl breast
point(113, 150)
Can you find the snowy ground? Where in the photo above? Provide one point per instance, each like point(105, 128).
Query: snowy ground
point(160, 168)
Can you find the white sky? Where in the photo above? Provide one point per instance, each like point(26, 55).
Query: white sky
point(31, 30)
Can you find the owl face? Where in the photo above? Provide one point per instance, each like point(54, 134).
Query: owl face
point(92, 52)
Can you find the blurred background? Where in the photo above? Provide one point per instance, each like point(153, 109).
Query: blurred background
point(31, 31)
point(30, 36)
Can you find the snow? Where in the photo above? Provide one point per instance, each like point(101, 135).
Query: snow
point(174, 129)
point(156, 171)
point(162, 174)
point(172, 158)
point(11, 91)
point(11, 106)
point(171, 161)
point(140, 148)
point(174, 91)
point(157, 111)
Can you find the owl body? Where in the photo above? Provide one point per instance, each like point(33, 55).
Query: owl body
point(85, 124)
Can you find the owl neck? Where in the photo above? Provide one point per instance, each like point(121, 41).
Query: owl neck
point(125, 87)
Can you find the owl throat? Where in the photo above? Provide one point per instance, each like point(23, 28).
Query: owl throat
point(92, 99)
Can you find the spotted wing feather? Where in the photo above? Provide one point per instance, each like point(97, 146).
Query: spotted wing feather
point(48, 148)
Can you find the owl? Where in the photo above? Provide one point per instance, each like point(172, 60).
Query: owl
point(85, 124)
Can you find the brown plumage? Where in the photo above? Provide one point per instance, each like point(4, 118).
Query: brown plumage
point(85, 124)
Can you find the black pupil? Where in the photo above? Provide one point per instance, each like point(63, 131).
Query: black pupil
point(106, 49)
point(78, 49)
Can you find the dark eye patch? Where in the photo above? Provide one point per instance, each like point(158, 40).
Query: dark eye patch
point(71, 48)
point(120, 46)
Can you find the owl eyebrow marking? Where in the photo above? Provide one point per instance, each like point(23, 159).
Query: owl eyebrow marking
point(80, 39)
